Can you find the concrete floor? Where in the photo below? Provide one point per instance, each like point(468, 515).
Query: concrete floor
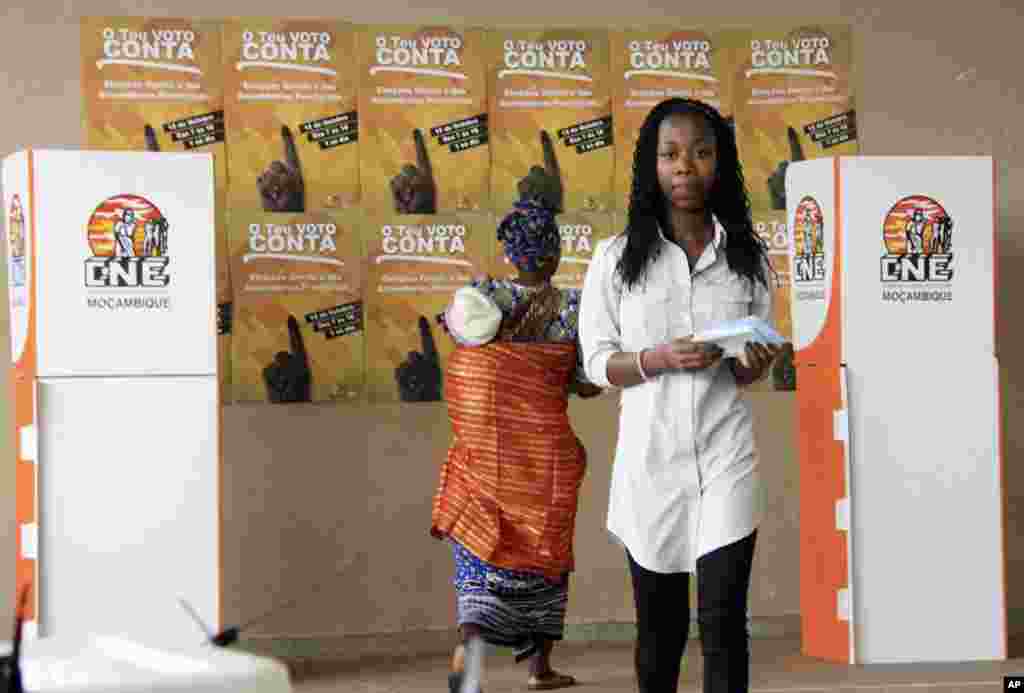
point(776, 667)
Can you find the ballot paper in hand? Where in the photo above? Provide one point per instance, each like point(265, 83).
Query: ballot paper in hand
point(732, 336)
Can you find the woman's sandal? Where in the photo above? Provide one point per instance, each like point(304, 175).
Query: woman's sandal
point(550, 681)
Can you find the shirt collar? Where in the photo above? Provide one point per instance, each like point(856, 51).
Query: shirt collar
point(710, 254)
point(717, 241)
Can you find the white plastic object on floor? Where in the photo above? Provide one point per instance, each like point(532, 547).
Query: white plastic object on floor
point(112, 664)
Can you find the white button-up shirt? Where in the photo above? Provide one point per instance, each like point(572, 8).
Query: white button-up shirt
point(685, 480)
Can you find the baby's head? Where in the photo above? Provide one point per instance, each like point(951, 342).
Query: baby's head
point(532, 241)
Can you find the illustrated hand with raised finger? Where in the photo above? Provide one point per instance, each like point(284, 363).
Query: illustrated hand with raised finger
point(419, 375)
point(544, 183)
point(281, 186)
point(777, 181)
point(288, 378)
point(413, 190)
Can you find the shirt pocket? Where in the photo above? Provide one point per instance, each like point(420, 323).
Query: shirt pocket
point(727, 296)
point(645, 317)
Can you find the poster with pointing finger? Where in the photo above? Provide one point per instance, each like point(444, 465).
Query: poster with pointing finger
point(414, 263)
point(794, 99)
point(551, 129)
point(298, 324)
point(290, 109)
point(424, 90)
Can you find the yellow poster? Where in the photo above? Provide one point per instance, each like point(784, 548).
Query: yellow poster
point(424, 89)
point(298, 324)
point(551, 118)
point(650, 66)
point(581, 232)
point(414, 265)
point(794, 100)
point(155, 84)
point(290, 106)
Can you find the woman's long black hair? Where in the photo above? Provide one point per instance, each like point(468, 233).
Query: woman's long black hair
point(744, 250)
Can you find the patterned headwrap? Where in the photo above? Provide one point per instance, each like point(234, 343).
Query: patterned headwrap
point(530, 234)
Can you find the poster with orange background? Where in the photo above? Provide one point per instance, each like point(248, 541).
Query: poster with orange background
point(430, 79)
point(793, 99)
point(551, 117)
point(307, 266)
point(290, 108)
point(155, 84)
point(649, 66)
point(414, 264)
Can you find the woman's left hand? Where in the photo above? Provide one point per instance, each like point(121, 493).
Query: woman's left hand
point(759, 358)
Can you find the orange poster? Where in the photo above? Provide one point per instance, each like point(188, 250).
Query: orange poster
point(415, 263)
point(424, 90)
point(290, 106)
point(793, 100)
point(551, 118)
point(298, 306)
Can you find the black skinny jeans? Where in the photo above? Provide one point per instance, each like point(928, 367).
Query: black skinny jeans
point(663, 621)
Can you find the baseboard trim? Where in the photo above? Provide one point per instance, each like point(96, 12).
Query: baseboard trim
point(439, 642)
point(421, 643)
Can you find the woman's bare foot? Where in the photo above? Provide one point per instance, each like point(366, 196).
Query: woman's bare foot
point(542, 676)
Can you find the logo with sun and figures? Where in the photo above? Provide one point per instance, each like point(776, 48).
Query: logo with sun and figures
point(129, 262)
point(16, 242)
point(809, 242)
point(127, 235)
point(917, 258)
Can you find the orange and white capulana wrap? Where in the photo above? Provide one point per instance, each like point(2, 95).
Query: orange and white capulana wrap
point(509, 488)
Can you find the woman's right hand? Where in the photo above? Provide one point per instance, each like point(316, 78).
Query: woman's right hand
point(681, 355)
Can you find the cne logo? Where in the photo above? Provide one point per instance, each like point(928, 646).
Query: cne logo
point(16, 243)
point(128, 238)
point(918, 240)
point(809, 242)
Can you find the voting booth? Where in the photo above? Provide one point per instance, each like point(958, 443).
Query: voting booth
point(117, 434)
point(901, 496)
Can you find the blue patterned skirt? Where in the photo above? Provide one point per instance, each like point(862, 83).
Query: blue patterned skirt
point(511, 608)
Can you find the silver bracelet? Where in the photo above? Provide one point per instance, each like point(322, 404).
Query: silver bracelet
point(639, 364)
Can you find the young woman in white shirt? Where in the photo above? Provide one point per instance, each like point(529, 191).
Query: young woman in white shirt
point(685, 494)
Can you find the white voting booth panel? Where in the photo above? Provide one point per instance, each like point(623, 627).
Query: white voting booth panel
point(117, 411)
point(130, 526)
point(894, 307)
point(897, 303)
point(82, 331)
